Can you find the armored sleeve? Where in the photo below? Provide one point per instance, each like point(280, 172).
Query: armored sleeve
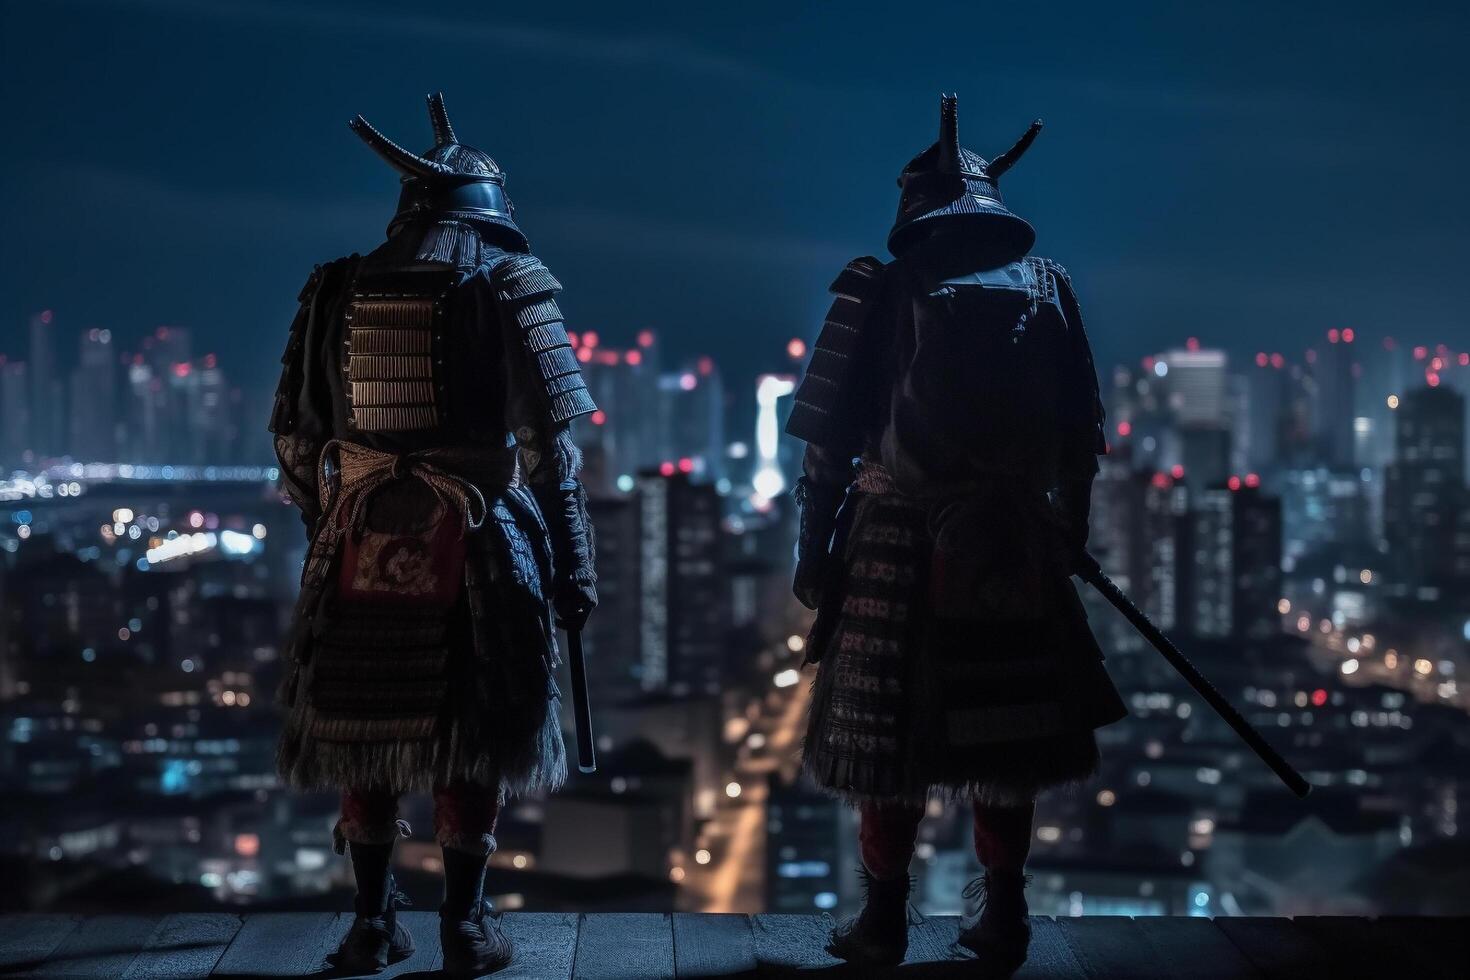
point(300, 421)
point(834, 403)
point(546, 392)
point(546, 389)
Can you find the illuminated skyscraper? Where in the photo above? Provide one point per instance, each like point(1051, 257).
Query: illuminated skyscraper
point(684, 599)
point(1233, 578)
point(1425, 487)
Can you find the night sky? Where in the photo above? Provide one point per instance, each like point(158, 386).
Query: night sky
point(1249, 176)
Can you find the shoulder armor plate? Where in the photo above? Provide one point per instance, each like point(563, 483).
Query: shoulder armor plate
point(1032, 276)
point(820, 414)
point(527, 294)
point(394, 339)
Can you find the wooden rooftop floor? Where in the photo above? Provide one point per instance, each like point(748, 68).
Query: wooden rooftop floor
point(648, 946)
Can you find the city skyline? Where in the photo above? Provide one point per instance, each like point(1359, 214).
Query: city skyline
point(1231, 200)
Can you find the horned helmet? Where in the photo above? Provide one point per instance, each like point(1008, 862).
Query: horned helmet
point(449, 182)
point(950, 187)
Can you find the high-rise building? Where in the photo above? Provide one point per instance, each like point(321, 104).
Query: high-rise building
point(684, 606)
point(809, 847)
point(1195, 383)
point(1425, 486)
point(1233, 572)
point(48, 404)
point(694, 407)
point(93, 435)
point(1165, 507)
point(1260, 429)
point(15, 412)
point(612, 635)
point(624, 435)
point(1335, 369)
point(1323, 510)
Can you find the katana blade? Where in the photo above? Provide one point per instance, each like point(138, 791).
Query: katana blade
point(1093, 575)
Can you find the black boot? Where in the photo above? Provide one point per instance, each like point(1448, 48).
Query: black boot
point(376, 938)
point(469, 927)
point(879, 934)
point(994, 926)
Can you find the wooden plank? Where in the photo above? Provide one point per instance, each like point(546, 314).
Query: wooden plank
point(28, 938)
point(102, 946)
point(785, 943)
point(1356, 946)
point(709, 945)
point(1278, 947)
point(1110, 947)
point(1194, 947)
point(1050, 956)
point(427, 955)
point(932, 940)
point(282, 944)
point(1439, 943)
point(183, 947)
point(545, 945)
point(624, 946)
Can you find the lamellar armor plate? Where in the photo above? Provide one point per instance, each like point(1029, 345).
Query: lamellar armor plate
point(394, 356)
point(828, 401)
point(527, 295)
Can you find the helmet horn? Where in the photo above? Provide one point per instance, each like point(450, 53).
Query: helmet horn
point(439, 119)
point(949, 134)
point(1008, 159)
point(406, 163)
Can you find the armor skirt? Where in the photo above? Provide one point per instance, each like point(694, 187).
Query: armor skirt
point(966, 675)
point(421, 658)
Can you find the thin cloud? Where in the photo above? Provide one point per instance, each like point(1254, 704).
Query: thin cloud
point(628, 51)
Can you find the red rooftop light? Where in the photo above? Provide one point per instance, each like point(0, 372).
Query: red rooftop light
point(1319, 697)
point(1278, 361)
point(1262, 360)
point(589, 339)
point(645, 338)
point(796, 347)
point(1125, 428)
point(706, 365)
point(1333, 335)
point(1252, 480)
point(635, 357)
point(1177, 472)
point(1233, 483)
point(599, 417)
point(666, 468)
point(1192, 344)
point(686, 465)
point(1348, 335)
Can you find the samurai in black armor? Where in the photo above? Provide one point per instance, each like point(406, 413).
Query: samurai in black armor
point(953, 425)
point(422, 428)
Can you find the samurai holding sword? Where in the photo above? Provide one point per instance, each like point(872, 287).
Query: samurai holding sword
point(422, 427)
point(953, 424)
